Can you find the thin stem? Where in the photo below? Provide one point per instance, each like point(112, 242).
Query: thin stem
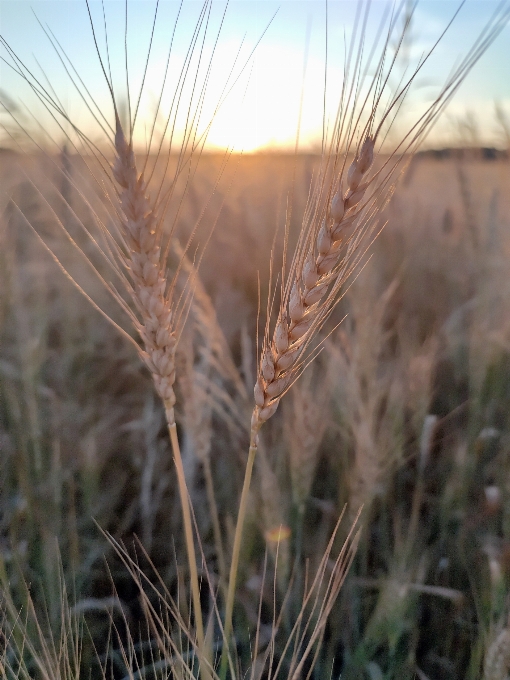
point(190, 546)
point(298, 547)
point(209, 485)
point(234, 565)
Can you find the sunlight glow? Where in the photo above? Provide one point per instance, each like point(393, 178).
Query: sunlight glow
point(263, 92)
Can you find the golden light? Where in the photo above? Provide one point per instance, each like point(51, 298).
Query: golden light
point(263, 112)
point(278, 534)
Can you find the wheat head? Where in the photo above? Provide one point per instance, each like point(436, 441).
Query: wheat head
point(147, 271)
point(308, 304)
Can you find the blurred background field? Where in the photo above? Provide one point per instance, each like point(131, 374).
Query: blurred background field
point(406, 412)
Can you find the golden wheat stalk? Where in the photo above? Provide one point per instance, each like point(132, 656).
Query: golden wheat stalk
point(150, 292)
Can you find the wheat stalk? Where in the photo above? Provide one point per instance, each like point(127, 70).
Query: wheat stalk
point(151, 295)
point(134, 243)
point(316, 279)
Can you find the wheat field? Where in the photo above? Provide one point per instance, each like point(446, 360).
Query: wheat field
point(405, 412)
point(254, 406)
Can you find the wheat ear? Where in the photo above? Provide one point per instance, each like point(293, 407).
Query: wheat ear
point(148, 273)
point(306, 309)
point(149, 290)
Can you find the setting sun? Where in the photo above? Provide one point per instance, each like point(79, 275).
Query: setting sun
point(284, 62)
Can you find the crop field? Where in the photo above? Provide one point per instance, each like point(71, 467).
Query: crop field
point(255, 393)
point(405, 413)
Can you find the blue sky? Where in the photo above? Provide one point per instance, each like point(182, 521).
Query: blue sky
point(262, 109)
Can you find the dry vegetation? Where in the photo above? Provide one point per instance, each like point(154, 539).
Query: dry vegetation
point(359, 530)
point(405, 411)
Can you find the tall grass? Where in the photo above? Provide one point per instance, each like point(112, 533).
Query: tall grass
point(382, 375)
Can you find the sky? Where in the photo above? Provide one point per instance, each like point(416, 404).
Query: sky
point(278, 66)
